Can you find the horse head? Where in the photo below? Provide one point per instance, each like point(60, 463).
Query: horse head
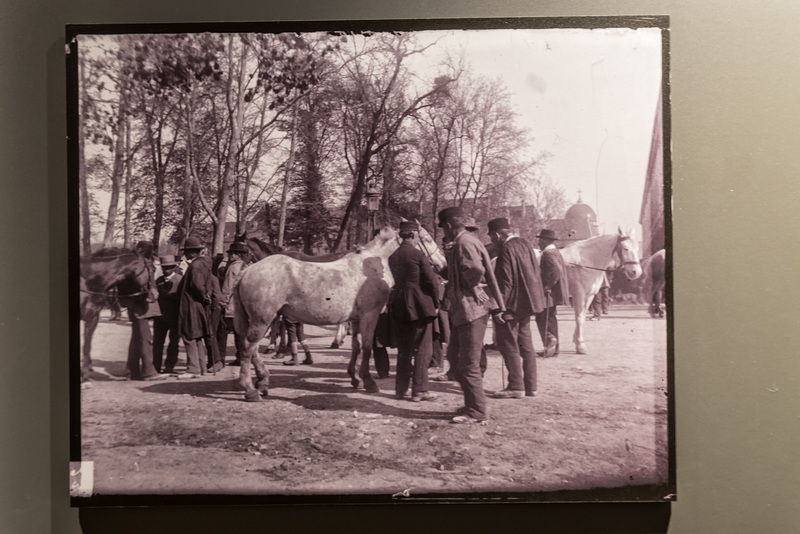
point(429, 247)
point(627, 249)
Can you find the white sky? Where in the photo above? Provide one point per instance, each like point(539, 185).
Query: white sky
point(589, 98)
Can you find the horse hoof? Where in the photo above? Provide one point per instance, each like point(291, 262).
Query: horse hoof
point(252, 395)
point(581, 349)
point(372, 388)
point(354, 382)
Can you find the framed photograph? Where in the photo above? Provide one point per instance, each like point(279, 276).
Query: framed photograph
point(371, 262)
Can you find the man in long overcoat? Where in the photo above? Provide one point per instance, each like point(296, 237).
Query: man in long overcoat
point(469, 271)
point(413, 307)
point(554, 281)
point(520, 283)
point(195, 299)
point(234, 270)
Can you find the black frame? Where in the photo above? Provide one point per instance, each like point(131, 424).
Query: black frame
point(651, 494)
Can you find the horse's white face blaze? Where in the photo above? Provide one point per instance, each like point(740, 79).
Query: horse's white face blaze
point(630, 259)
point(436, 257)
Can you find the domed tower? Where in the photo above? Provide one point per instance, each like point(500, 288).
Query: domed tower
point(580, 222)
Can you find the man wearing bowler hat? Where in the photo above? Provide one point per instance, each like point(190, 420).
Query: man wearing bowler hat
point(473, 294)
point(237, 253)
point(195, 299)
point(554, 282)
point(413, 307)
point(517, 273)
point(167, 323)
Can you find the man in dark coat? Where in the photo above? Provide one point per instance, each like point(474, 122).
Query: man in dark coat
point(413, 307)
point(167, 323)
point(195, 298)
point(554, 281)
point(142, 307)
point(472, 294)
point(517, 273)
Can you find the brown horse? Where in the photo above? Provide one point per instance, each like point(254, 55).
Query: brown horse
point(102, 272)
point(653, 282)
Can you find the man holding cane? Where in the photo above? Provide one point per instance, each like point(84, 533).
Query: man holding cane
point(517, 273)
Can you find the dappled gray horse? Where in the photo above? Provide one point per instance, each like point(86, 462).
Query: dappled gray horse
point(354, 287)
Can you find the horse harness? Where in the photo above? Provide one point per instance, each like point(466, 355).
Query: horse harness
point(617, 250)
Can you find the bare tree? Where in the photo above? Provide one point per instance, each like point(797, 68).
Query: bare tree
point(376, 103)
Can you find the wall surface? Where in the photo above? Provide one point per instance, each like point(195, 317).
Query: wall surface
point(735, 73)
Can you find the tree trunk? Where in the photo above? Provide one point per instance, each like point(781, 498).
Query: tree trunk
point(236, 111)
point(86, 222)
point(126, 225)
point(118, 169)
point(285, 193)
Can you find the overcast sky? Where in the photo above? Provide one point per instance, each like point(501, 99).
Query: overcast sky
point(589, 97)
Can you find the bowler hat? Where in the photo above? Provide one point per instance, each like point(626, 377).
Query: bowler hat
point(237, 247)
point(409, 226)
point(447, 213)
point(498, 224)
point(469, 224)
point(192, 243)
point(167, 261)
point(547, 234)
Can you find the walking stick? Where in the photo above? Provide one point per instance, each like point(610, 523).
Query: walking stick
point(546, 321)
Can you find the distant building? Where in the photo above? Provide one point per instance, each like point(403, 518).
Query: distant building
point(580, 222)
point(651, 215)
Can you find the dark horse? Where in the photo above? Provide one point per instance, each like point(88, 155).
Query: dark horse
point(655, 280)
point(112, 268)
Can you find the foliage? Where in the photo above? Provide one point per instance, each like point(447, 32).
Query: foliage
point(217, 125)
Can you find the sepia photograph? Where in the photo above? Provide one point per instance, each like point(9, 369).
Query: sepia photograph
point(371, 261)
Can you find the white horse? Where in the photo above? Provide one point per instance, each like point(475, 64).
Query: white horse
point(585, 262)
point(353, 288)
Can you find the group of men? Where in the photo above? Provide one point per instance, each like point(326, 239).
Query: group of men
point(195, 307)
point(519, 285)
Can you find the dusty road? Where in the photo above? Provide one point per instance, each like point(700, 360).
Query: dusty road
point(598, 420)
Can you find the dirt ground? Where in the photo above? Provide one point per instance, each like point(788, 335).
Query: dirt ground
point(598, 421)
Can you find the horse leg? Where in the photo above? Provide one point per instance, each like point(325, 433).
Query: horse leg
point(250, 341)
point(355, 348)
point(659, 308)
point(89, 326)
point(367, 329)
point(338, 337)
point(580, 315)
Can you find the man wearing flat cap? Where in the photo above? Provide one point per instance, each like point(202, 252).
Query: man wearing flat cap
point(195, 299)
point(517, 272)
point(413, 306)
point(473, 294)
point(554, 282)
point(167, 323)
point(234, 270)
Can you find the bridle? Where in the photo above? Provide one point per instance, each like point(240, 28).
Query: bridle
point(617, 250)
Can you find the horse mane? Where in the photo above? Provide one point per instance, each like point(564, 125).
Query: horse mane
point(110, 251)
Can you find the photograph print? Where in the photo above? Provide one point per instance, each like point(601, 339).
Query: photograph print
point(375, 261)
